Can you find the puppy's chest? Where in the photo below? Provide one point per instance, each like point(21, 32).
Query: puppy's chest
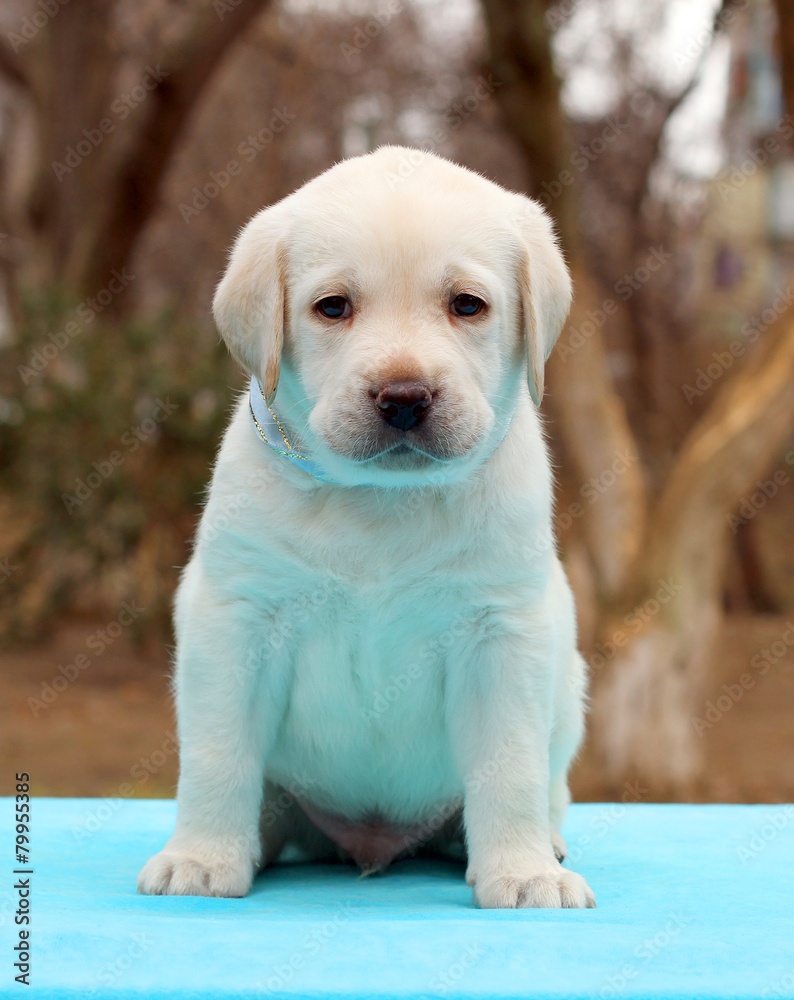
point(364, 725)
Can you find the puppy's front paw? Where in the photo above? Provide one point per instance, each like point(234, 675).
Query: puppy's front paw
point(550, 888)
point(182, 871)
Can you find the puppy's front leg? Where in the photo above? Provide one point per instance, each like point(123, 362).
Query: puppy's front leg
point(501, 707)
point(226, 725)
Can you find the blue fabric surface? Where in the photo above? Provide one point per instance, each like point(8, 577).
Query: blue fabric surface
point(693, 901)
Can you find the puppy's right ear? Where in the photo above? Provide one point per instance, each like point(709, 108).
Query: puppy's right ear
point(250, 301)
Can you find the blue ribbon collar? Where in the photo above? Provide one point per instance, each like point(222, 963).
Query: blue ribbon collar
point(272, 432)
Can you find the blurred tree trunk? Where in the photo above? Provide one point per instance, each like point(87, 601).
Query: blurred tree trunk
point(93, 188)
point(657, 563)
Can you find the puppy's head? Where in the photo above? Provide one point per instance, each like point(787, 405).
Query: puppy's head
point(396, 305)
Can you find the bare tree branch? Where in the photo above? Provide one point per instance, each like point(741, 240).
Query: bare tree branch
point(119, 220)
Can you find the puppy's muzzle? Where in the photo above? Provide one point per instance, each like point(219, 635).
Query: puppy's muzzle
point(403, 405)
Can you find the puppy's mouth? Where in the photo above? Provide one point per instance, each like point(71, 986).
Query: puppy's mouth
point(435, 441)
point(403, 455)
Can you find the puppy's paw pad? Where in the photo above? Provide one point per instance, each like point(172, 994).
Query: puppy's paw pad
point(174, 873)
point(547, 889)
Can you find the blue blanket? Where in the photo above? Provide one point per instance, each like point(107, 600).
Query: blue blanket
point(693, 901)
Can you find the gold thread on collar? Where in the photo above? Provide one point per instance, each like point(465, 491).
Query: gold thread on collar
point(289, 447)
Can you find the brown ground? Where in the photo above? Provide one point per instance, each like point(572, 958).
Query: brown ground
point(109, 732)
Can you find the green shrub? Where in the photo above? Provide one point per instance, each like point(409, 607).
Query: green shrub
point(106, 451)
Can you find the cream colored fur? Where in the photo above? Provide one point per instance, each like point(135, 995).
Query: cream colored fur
point(404, 641)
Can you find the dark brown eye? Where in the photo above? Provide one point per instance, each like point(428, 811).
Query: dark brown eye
point(334, 307)
point(466, 305)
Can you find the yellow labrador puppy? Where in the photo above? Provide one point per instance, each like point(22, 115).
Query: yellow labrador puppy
point(376, 642)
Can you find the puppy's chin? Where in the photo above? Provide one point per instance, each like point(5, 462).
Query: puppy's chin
point(400, 466)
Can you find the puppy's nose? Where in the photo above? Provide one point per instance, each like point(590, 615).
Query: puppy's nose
point(403, 404)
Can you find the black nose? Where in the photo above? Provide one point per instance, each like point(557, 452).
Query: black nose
point(403, 404)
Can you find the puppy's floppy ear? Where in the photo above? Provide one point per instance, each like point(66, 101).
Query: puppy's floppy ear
point(251, 300)
point(545, 287)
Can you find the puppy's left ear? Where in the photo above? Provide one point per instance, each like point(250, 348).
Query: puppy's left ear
point(251, 301)
point(545, 288)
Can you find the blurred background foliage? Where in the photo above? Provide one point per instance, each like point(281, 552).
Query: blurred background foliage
point(135, 140)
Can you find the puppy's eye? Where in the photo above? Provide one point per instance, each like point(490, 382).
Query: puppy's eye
point(334, 307)
point(466, 305)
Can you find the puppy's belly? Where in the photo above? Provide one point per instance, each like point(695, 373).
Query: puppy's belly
point(363, 747)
